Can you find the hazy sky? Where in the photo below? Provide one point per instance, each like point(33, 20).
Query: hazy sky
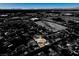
point(37, 5)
